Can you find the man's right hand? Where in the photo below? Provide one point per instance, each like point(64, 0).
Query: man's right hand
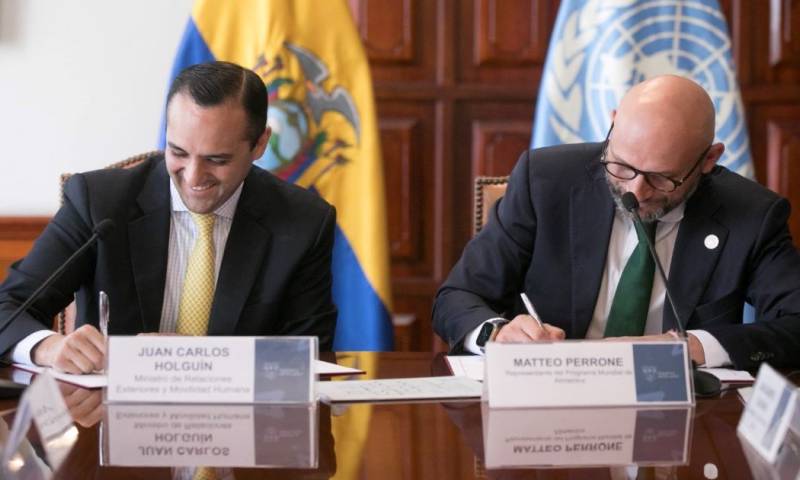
point(82, 351)
point(524, 328)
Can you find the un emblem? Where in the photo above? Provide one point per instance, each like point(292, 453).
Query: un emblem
point(600, 49)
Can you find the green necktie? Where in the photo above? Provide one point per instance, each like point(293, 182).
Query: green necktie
point(628, 314)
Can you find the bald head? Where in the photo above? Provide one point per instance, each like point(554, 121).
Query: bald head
point(664, 125)
point(666, 116)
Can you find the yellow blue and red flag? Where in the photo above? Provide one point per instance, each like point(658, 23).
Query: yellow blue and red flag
point(325, 134)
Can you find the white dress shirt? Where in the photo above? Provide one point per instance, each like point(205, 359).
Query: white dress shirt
point(621, 245)
point(182, 232)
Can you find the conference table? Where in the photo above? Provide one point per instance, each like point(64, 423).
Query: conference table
point(417, 440)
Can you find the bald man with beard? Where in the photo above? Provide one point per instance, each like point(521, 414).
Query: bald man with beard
point(561, 236)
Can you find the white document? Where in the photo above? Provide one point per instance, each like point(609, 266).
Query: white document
point(332, 369)
point(99, 380)
point(729, 375)
point(93, 380)
point(426, 388)
point(470, 366)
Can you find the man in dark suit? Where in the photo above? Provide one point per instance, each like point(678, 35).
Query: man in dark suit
point(266, 253)
point(561, 236)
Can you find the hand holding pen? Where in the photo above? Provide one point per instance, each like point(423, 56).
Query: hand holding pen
point(527, 328)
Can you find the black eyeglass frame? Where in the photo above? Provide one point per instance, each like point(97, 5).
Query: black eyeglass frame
point(676, 184)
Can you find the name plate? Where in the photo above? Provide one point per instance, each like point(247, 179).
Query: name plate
point(558, 437)
point(43, 404)
point(279, 436)
point(770, 413)
point(179, 369)
point(587, 373)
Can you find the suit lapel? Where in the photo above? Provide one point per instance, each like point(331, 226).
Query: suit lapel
point(591, 217)
point(148, 235)
point(692, 260)
point(245, 250)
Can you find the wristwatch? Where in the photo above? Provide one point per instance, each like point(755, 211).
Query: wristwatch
point(489, 331)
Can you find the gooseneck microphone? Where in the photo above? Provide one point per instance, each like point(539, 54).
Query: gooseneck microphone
point(100, 230)
point(705, 384)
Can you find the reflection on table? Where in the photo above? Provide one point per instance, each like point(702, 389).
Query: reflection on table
point(550, 437)
point(210, 435)
point(395, 441)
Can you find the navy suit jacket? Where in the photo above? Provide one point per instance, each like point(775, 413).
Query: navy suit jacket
point(549, 238)
point(275, 277)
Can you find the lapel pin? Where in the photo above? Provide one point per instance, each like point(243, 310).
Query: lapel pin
point(711, 241)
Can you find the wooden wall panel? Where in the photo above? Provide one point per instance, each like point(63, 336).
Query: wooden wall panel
point(783, 159)
point(509, 32)
point(784, 29)
point(406, 138)
point(502, 40)
point(398, 37)
point(16, 237)
point(496, 145)
point(491, 136)
point(388, 30)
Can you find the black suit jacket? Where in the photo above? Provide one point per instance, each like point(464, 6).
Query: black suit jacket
point(275, 277)
point(549, 238)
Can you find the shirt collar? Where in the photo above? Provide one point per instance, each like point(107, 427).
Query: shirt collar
point(226, 210)
point(675, 215)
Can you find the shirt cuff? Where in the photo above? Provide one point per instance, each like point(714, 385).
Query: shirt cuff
point(471, 340)
point(22, 351)
point(716, 355)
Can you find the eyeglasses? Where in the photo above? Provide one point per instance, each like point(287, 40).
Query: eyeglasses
point(659, 181)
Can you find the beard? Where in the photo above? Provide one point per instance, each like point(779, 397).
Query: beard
point(666, 206)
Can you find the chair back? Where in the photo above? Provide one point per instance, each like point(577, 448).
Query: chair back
point(129, 162)
point(488, 191)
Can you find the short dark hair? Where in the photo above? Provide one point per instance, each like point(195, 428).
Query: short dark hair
point(213, 83)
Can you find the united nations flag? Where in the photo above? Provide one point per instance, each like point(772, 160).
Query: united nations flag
point(601, 48)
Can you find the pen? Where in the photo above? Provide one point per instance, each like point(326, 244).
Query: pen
point(530, 309)
point(103, 306)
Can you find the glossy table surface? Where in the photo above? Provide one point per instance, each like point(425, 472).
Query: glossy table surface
point(404, 440)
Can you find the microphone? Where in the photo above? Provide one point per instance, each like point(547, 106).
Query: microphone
point(100, 230)
point(705, 384)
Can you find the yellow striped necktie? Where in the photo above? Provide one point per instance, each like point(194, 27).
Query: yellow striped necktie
point(198, 284)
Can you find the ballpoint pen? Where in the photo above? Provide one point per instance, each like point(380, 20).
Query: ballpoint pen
point(104, 313)
point(530, 309)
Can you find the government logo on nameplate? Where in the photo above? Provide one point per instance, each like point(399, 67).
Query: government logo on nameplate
point(587, 373)
point(179, 369)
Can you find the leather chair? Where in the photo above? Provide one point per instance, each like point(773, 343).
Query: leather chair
point(487, 191)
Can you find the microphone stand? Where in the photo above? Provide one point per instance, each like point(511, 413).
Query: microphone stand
point(705, 384)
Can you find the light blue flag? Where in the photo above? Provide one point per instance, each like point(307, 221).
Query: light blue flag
point(601, 48)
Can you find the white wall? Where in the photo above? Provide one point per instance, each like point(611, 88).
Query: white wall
point(82, 85)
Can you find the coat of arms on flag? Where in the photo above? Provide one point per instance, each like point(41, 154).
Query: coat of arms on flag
point(601, 48)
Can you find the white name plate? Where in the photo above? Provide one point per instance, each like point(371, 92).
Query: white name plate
point(558, 437)
point(771, 411)
point(279, 436)
point(43, 404)
point(179, 369)
point(587, 373)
